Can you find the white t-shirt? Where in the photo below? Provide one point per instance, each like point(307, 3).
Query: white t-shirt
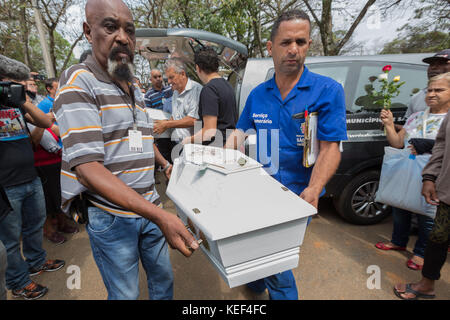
point(414, 125)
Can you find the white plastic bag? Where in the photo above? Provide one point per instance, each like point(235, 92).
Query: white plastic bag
point(401, 181)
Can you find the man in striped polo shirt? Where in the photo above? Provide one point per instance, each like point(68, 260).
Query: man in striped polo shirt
point(109, 154)
point(158, 96)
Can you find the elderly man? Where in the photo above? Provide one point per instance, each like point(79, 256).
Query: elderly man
point(276, 109)
point(185, 101)
point(110, 157)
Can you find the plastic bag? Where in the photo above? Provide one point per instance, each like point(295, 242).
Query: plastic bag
point(401, 181)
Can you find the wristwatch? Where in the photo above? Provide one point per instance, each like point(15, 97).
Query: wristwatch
point(166, 166)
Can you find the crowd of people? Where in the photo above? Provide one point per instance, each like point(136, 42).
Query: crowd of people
point(90, 144)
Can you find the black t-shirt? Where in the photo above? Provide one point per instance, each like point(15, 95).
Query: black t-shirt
point(217, 98)
point(16, 152)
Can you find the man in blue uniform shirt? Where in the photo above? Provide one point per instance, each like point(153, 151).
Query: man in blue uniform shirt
point(276, 110)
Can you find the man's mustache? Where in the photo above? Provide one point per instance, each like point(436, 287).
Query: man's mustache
point(113, 55)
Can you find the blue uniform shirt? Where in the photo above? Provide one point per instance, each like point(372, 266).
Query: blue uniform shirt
point(46, 104)
point(280, 137)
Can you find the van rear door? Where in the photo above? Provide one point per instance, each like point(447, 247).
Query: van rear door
point(182, 43)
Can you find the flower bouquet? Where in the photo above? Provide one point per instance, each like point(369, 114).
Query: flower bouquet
point(388, 90)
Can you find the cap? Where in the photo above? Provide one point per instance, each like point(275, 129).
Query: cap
point(443, 55)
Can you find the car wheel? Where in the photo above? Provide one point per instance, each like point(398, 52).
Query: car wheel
point(356, 203)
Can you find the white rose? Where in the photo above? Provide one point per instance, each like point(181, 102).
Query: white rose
point(383, 76)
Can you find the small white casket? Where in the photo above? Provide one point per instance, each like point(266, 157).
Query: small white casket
point(156, 114)
point(250, 224)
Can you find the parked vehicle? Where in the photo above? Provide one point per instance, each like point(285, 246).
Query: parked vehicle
point(355, 183)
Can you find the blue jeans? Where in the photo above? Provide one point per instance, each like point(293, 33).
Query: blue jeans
point(3, 264)
point(26, 220)
point(117, 245)
point(281, 286)
point(402, 228)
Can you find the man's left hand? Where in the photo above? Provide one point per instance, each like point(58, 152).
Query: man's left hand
point(168, 172)
point(159, 126)
point(311, 196)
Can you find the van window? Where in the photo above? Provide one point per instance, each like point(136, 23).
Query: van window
point(415, 78)
point(331, 70)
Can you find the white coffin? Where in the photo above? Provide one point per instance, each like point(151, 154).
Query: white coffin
point(251, 225)
point(156, 114)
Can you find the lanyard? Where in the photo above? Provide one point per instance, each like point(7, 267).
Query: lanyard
point(132, 108)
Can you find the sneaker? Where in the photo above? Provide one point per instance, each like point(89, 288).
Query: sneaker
point(48, 266)
point(32, 291)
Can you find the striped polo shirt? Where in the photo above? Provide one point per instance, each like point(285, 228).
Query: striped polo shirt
point(94, 116)
point(155, 99)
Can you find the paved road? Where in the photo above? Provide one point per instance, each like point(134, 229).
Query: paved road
point(334, 262)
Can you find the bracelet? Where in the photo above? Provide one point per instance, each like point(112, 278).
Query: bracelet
point(428, 177)
point(166, 167)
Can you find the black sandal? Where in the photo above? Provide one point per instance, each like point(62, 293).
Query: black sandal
point(417, 294)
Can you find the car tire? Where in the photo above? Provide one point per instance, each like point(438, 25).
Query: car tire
point(356, 202)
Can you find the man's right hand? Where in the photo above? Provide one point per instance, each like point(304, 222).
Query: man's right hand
point(429, 192)
point(177, 235)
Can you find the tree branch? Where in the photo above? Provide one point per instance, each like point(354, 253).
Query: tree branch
point(354, 25)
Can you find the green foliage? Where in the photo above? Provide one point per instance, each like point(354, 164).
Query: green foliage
point(433, 41)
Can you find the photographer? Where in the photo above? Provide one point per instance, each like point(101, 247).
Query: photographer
point(21, 184)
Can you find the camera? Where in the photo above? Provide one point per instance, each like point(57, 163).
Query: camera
point(12, 94)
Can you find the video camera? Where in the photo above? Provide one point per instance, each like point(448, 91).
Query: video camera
point(12, 94)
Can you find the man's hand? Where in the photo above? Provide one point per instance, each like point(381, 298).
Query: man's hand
point(168, 172)
point(311, 196)
point(429, 192)
point(159, 126)
point(177, 235)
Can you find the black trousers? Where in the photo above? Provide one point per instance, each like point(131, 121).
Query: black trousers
point(438, 242)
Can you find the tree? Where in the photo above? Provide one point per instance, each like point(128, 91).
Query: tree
point(415, 42)
point(428, 31)
point(18, 33)
point(334, 41)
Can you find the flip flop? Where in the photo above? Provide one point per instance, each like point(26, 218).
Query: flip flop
point(417, 294)
point(382, 246)
point(412, 265)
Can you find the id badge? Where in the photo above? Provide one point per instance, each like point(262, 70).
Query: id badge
point(135, 141)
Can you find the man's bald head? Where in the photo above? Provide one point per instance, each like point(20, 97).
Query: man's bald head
point(94, 8)
point(110, 30)
point(156, 79)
